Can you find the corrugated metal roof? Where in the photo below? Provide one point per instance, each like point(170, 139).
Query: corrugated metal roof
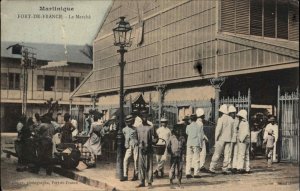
point(50, 52)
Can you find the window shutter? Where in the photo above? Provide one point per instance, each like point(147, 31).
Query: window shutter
point(3, 81)
point(256, 17)
point(269, 18)
point(228, 16)
point(60, 84)
point(282, 19)
point(293, 21)
point(40, 83)
point(242, 16)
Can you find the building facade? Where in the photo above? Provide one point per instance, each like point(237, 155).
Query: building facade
point(43, 84)
point(254, 44)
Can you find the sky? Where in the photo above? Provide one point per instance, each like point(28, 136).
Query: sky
point(78, 22)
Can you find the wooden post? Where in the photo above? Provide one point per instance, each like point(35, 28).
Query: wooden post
point(249, 103)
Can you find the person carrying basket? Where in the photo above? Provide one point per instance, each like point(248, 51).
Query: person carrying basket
point(164, 134)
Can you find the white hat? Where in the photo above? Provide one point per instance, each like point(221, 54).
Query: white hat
point(199, 112)
point(223, 109)
point(242, 113)
point(231, 109)
point(163, 120)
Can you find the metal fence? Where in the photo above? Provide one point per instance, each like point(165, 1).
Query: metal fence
point(288, 112)
point(240, 102)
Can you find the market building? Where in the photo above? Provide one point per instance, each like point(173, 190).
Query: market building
point(48, 80)
point(193, 53)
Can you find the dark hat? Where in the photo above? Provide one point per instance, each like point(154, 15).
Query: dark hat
point(67, 115)
point(128, 118)
point(186, 118)
point(193, 116)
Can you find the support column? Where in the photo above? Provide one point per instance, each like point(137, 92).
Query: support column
point(161, 90)
point(217, 83)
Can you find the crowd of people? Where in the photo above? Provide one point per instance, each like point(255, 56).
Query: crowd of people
point(182, 145)
point(232, 141)
point(40, 137)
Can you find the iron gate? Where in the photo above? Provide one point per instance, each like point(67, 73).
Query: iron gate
point(288, 112)
point(240, 102)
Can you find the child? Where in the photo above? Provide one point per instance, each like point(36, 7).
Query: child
point(176, 147)
point(269, 141)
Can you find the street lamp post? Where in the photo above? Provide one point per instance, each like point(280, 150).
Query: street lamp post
point(122, 37)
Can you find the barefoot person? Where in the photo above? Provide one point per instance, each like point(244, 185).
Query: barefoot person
point(131, 145)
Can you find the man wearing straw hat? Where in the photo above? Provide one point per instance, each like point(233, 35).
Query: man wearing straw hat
point(131, 145)
point(163, 134)
point(272, 125)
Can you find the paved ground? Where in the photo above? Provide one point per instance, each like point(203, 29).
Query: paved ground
point(13, 180)
point(281, 177)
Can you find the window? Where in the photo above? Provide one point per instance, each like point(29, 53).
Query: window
point(267, 18)
point(265, 15)
point(49, 83)
point(40, 83)
point(14, 81)
point(66, 83)
point(3, 81)
point(282, 20)
point(74, 82)
point(63, 84)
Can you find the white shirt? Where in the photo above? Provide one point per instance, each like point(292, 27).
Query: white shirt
point(138, 121)
point(224, 129)
point(200, 123)
point(244, 131)
point(274, 128)
point(254, 136)
point(193, 132)
point(163, 133)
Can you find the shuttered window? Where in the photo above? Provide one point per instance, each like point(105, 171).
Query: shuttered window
point(40, 83)
point(256, 17)
point(66, 84)
point(242, 16)
point(269, 18)
point(59, 84)
point(228, 16)
point(282, 19)
point(3, 81)
point(293, 21)
point(14, 81)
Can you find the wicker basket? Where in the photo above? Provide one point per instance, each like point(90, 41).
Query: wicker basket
point(159, 149)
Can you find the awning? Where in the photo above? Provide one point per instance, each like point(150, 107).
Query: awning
point(55, 64)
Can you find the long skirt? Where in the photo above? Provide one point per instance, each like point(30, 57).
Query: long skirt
point(93, 144)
